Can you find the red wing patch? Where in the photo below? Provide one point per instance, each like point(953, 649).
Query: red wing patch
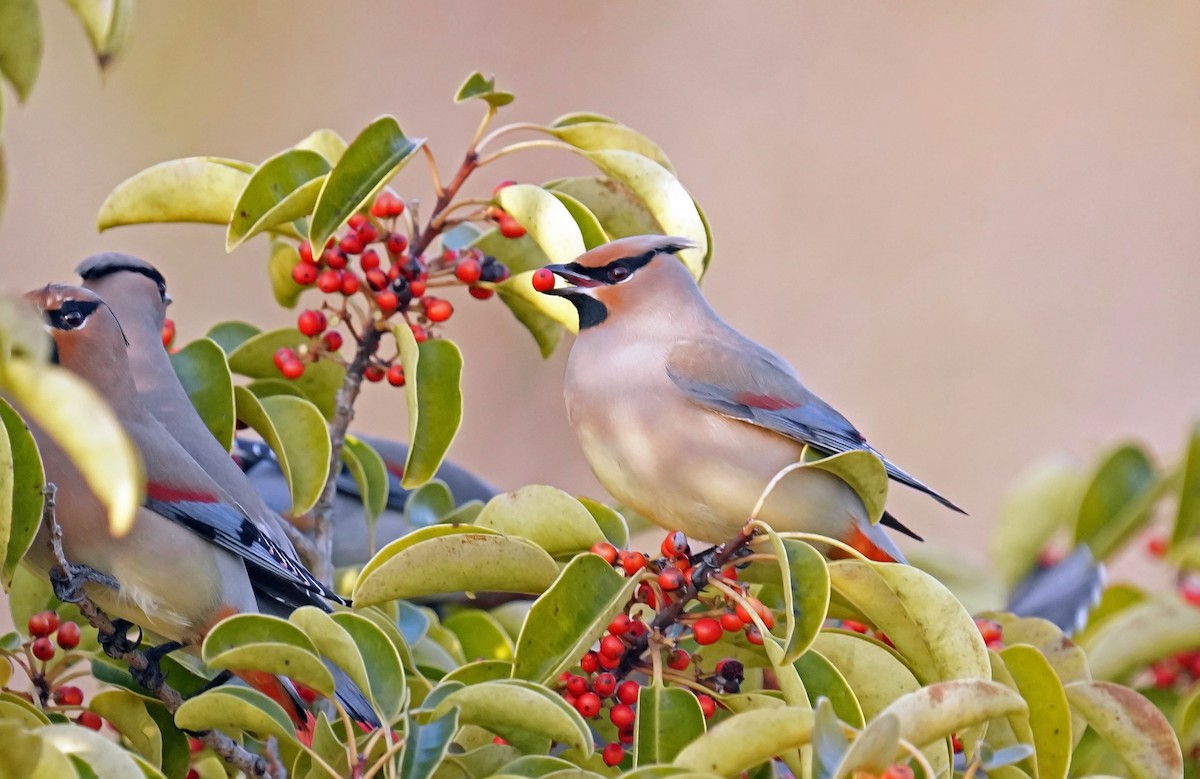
point(765, 402)
point(860, 543)
point(162, 492)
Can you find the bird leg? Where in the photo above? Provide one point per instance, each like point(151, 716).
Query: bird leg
point(117, 644)
point(215, 682)
point(68, 584)
point(152, 677)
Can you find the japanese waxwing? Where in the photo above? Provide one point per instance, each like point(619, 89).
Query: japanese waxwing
point(191, 557)
point(136, 293)
point(686, 420)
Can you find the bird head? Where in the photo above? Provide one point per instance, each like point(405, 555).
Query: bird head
point(623, 275)
point(84, 328)
point(126, 282)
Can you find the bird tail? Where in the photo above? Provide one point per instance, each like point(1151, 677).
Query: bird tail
point(872, 543)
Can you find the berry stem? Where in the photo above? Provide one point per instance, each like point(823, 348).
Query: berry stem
point(523, 145)
point(508, 128)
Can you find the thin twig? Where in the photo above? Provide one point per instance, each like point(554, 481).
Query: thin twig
point(225, 747)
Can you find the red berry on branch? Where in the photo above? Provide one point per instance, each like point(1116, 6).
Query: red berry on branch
point(611, 646)
point(437, 309)
point(577, 685)
point(387, 302)
point(637, 629)
point(90, 719)
point(356, 221)
point(304, 273)
point(897, 771)
point(306, 255)
point(588, 704)
point(1157, 546)
point(990, 631)
point(292, 369)
point(620, 625)
point(42, 648)
point(590, 663)
point(329, 281)
point(678, 659)
point(335, 258)
point(622, 715)
point(417, 287)
point(510, 227)
point(351, 244)
point(52, 620)
point(854, 625)
point(369, 260)
point(605, 685)
point(396, 243)
point(350, 283)
point(420, 334)
point(675, 544)
point(311, 322)
point(480, 293)
point(542, 280)
point(707, 631)
point(367, 234)
point(68, 696)
point(376, 279)
point(283, 354)
point(754, 635)
point(39, 625)
point(625, 736)
point(373, 373)
point(731, 621)
point(468, 270)
point(168, 333)
point(605, 550)
point(671, 579)
point(68, 635)
point(379, 209)
point(395, 375)
point(627, 692)
point(613, 754)
point(332, 341)
point(395, 207)
point(707, 705)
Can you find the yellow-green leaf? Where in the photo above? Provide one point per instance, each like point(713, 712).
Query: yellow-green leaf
point(127, 713)
point(545, 515)
point(875, 675)
point(481, 636)
point(433, 392)
point(325, 142)
point(668, 719)
point(1118, 500)
point(279, 269)
point(192, 189)
point(1140, 634)
point(282, 189)
point(235, 707)
point(370, 474)
point(106, 759)
point(295, 431)
point(745, 740)
point(476, 86)
point(941, 709)
point(547, 219)
point(620, 212)
point(20, 44)
point(381, 653)
point(1187, 514)
point(107, 24)
point(259, 642)
point(1132, 726)
point(543, 315)
point(862, 470)
point(21, 495)
point(332, 642)
point(204, 373)
point(1042, 503)
point(596, 136)
point(1049, 712)
point(254, 357)
point(526, 715)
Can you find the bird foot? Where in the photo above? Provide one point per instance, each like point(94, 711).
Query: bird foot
point(68, 587)
point(215, 682)
point(117, 644)
point(152, 677)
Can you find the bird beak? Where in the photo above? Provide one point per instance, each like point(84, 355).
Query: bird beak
point(574, 278)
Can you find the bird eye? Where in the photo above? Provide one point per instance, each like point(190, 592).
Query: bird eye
point(73, 319)
point(618, 273)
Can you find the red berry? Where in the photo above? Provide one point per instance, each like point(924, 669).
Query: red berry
point(897, 771)
point(395, 375)
point(633, 562)
point(369, 260)
point(731, 621)
point(590, 663)
point(68, 696)
point(68, 635)
point(608, 663)
point(195, 745)
point(292, 369)
point(311, 322)
point(90, 719)
point(1165, 675)
point(168, 333)
point(613, 753)
point(42, 648)
point(374, 373)
point(707, 705)
point(396, 243)
point(853, 625)
point(753, 635)
point(671, 579)
point(349, 284)
point(577, 685)
point(611, 646)
point(283, 354)
point(620, 625)
point(1190, 591)
point(417, 287)
point(707, 631)
point(468, 270)
point(376, 279)
point(645, 594)
point(367, 234)
point(678, 659)
point(605, 685)
point(511, 228)
point(39, 625)
point(351, 244)
point(437, 309)
point(637, 629)
point(588, 704)
point(622, 715)
point(1156, 546)
point(356, 221)
point(542, 280)
point(395, 207)
point(192, 774)
point(730, 573)
point(379, 209)
point(306, 255)
point(332, 340)
point(335, 258)
point(675, 544)
point(627, 692)
point(605, 550)
point(304, 273)
point(989, 630)
point(480, 293)
point(419, 333)
point(52, 620)
point(329, 281)
point(387, 302)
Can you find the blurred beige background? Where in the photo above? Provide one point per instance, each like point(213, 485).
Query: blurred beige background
point(972, 226)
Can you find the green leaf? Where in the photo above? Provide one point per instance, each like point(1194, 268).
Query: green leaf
point(745, 740)
point(20, 44)
point(862, 470)
point(875, 675)
point(1117, 501)
point(284, 257)
point(382, 658)
point(544, 320)
point(671, 205)
point(202, 370)
point(620, 212)
point(429, 504)
point(14, 707)
point(822, 679)
point(519, 254)
point(73, 415)
point(333, 642)
point(21, 495)
point(325, 142)
point(1049, 712)
point(476, 86)
point(426, 745)
point(1140, 634)
point(369, 162)
point(295, 431)
point(107, 24)
point(258, 642)
point(480, 634)
point(1187, 515)
point(939, 710)
point(192, 189)
point(433, 392)
point(873, 750)
point(547, 219)
point(609, 520)
point(805, 593)
point(236, 707)
point(1042, 503)
point(668, 719)
point(370, 474)
point(230, 335)
point(1131, 725)
point(444, 558)
point(128, 714)
point(572, 614)
point(589, 226)
point(282, 189)
point(526, 715)
point(480, 671)
point(597, 136)
point(104, 758)
point(547, 516)
point(255, 359)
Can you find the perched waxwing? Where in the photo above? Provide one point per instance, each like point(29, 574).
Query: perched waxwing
point(686, 420)
point(137, 294)
point(191, 557)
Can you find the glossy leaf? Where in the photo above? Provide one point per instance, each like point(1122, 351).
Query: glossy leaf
point(545, 515)
point(564, 622)
point(235, 707)
point(862, 470)
point(369, 162)
point(1049, 712)
point(939, 710)
point(204, 373)
point(325, 142)
point(387, 683)
point(1187, 514)
point(370, 474)
point(276, 194)
point(192, 189)
point(230, 335)
point(671, 205)
point(1141, 634)
point(620, 212)
point(745, 740)
point(548, 221)
point(526, 715)
point(875, 675)
point(452, 560)
point(107, 24)
point(544, 316)
point(20, 44)
point(668, 719)
point(480, 634)
point(284, 257)
point(71, 413)
point(589, 226)
point(873, 750)
point(476, 86)
point(1132, 726)
point(429, 504)
point(822, 679)
point(20, 496)
point(805, 593)
point(596, 136)
point(1117, 501)
point(296, 433)
point(333, 642)
point(258, 642)
point(128, 714)
point(1042, 503)
point(434, 396)
point(610, 522)
point(924, 621)
point(13, 706)
point(255, 359)
point(104, 758)
point(426, 745)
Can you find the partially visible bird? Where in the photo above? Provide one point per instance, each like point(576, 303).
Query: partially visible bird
point(192, 557)
point(686, 420)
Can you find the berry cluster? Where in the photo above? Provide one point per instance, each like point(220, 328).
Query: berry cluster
point(509, 227)
point(372, 262)
point(1179, 671)
point(46, 630)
